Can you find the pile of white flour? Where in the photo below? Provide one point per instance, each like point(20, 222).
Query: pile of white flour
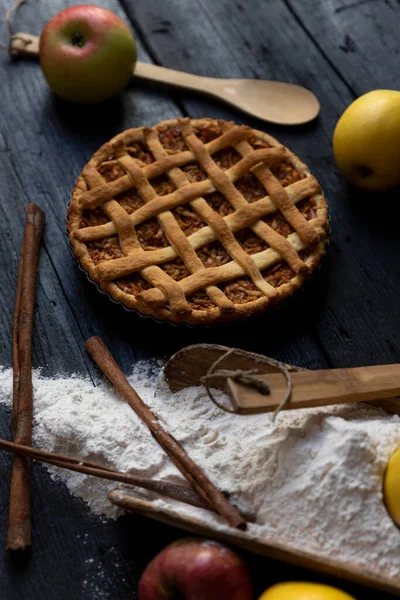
point(314, 477)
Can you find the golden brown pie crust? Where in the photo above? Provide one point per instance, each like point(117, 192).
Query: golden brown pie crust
point(197, 221)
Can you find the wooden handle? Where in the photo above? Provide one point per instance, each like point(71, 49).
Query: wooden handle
point(171, 77)
point(319, 388)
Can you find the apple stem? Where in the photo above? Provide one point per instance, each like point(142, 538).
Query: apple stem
point(78, 40)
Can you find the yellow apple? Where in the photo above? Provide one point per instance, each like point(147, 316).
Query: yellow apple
point(87, 54)
point(293, 590)
point(391, 487)
point(366, 141)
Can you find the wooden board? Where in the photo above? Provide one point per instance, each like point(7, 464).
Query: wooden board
point(273, 549)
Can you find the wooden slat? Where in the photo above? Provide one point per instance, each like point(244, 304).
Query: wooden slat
point(359, 38)
point(54, 322)
point(361, 46)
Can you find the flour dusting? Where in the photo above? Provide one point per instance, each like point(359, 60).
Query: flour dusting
point(314, 478)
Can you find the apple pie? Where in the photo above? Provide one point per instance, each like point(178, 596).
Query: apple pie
point(197, 221)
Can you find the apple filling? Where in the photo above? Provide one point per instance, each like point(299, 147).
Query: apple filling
point(151, 236)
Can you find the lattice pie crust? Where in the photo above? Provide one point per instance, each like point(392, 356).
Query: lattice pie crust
point(197, 221)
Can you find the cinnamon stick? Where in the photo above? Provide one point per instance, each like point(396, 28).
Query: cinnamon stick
point(177, 491)
point(193, 473)
point(19, 521)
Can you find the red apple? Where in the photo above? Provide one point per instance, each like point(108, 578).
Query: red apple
point(87, 53)
point(193, 569)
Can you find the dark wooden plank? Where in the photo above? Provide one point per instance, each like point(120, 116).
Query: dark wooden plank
point(271, 43)
point(360, 41)
point(358, 37)
point(252, 42)
point(54, 314)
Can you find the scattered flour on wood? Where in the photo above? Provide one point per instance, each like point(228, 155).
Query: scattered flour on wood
point(314, 478)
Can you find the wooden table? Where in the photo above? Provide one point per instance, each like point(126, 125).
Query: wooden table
point(349, 315)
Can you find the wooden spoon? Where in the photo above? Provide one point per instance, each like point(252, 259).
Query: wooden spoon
point(377, 385)
point(273, 101)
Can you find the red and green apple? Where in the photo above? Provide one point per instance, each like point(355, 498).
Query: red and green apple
point(87, 53)
point(194, 569)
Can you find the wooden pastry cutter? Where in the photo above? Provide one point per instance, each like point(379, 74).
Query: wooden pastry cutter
point(378, 385)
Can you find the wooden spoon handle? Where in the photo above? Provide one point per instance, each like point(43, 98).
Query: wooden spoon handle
point(319, 388)
point(180, 79)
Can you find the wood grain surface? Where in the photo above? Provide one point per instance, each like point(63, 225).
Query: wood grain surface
point(348, 315)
